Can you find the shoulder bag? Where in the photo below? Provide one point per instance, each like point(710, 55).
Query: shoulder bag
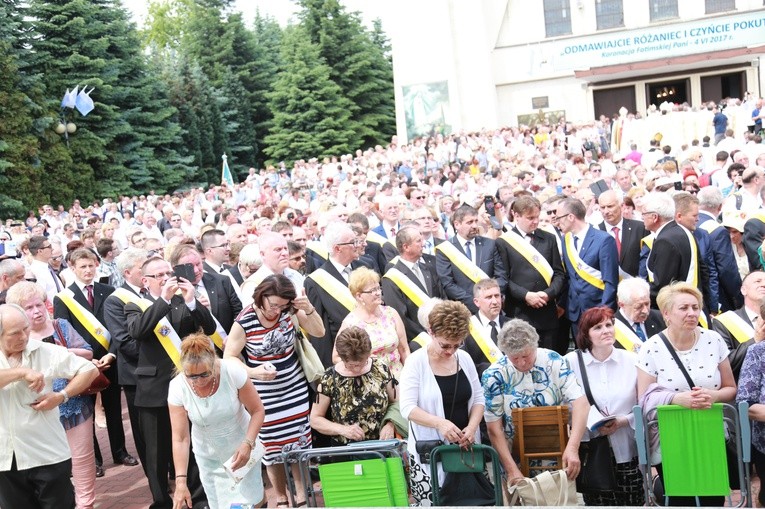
point(546, 489)
point(598, 470)
point(307, 356)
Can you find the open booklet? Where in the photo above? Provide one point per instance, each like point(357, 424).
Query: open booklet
point(595, 420)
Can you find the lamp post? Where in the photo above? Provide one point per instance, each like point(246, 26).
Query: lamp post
point(73, 100)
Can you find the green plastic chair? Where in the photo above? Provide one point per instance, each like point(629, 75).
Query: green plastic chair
point(378, 482)
point(452, 458)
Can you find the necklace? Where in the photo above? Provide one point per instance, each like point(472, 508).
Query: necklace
point(210, 393)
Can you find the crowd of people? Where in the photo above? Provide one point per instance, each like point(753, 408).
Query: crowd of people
point(442, 283)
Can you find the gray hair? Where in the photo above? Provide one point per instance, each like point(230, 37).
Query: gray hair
point(661, 203)
point(250, 255)
point(710, 198)
point(334, 233)
point(629, 287)
point(5, 308)
point(9, 266)
point(517, 336)
point(128, 259)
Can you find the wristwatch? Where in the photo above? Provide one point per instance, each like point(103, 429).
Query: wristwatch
point(65, 395)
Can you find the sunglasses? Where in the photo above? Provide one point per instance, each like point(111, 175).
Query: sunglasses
point(200, 376)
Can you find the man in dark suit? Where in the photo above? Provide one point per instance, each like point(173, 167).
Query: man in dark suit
point(591, 261)
point(425, 219)
point(754, 233)
point(378, 250)
point(675, 254)
point(89, 297)
point(637, 321)
point(468, 257)
point(213, 290)
point(738, 327)
point(530, 256)
point(216, 250)
point(627, 233)
point(155, 369)
point(721, 249)
point(404, 291)
point(129, 264)
point(485, 324)
point(327, 286)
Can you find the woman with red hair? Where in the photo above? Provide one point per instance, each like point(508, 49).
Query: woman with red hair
point(612, 376)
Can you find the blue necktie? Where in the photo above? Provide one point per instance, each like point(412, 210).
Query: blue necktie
point(576, 242)
point(639, 331)
point(468, 251)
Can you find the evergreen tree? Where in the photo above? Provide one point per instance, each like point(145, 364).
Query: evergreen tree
point(267, 37)
point(311, 117)
point(358, 65)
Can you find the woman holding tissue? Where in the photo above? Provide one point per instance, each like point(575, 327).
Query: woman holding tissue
point(226, 411)
point(612, 379)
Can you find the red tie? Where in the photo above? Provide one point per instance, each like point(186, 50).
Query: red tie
point(89, 288)
point(393, 232)
point(615, 229)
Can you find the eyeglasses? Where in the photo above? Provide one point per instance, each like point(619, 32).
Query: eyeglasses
point(226, 245)
point(59, 257)
point(418, 197)
point(595, 171)
point(198, 376)
point(46, 247)
point(650, 212)
point(161, 275)
point(281, 307)
point(448, 347)
point(558, 218)
point(352, 243)
point(376, 289)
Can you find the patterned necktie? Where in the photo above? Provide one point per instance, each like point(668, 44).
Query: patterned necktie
point(615, 229)
point(639, 332)
point(89, 290)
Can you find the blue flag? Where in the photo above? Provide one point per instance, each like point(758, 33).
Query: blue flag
point(70, 98)
point(84, 103)
point(226, 177)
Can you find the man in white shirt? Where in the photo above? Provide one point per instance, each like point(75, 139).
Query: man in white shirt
point(216, 250)
point(41, 250)
point(35, 461)
point(485, 324)
point(276, 259)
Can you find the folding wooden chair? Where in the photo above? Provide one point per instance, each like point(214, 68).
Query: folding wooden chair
point(540, 433)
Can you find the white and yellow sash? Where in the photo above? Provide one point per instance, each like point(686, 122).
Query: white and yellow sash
point(737, 326)
point(86, 318)
point(703, 320)
point(406, 285)
point(530, 254)
point(422, 339)
point(710, 225)
point(483, 340)
point(319, 248)
point(164, 331)
point(373, 236)
point(626, 336)
point(462, 262)
point(693, 273)
point(335, 288)
point(589, 274)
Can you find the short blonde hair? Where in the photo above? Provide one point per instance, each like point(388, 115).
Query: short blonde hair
point(361, 278)
point(24, 291)
point(666, 297)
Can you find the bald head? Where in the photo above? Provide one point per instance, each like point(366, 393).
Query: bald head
point(274, 251)
point(611, 207)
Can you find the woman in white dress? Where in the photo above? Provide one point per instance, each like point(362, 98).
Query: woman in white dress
point(226, 411)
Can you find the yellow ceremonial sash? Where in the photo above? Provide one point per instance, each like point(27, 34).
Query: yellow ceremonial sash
point(462, 262)
point(166, 334)
point(703, 321)
point(759, 215)
point(648, 242)
point(530, 254)
point(319, 248)
point(422, 339)
point(484, 342)
point(86, 318)
point(406, 285)
point(710, 225)
point(373, 236)
point(335, 288)
point(737, 326)
point(626, 336)
point(587, 273)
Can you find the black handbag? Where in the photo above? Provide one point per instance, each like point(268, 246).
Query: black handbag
point(598, 465)
point(425, 447)
point(467, 489)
